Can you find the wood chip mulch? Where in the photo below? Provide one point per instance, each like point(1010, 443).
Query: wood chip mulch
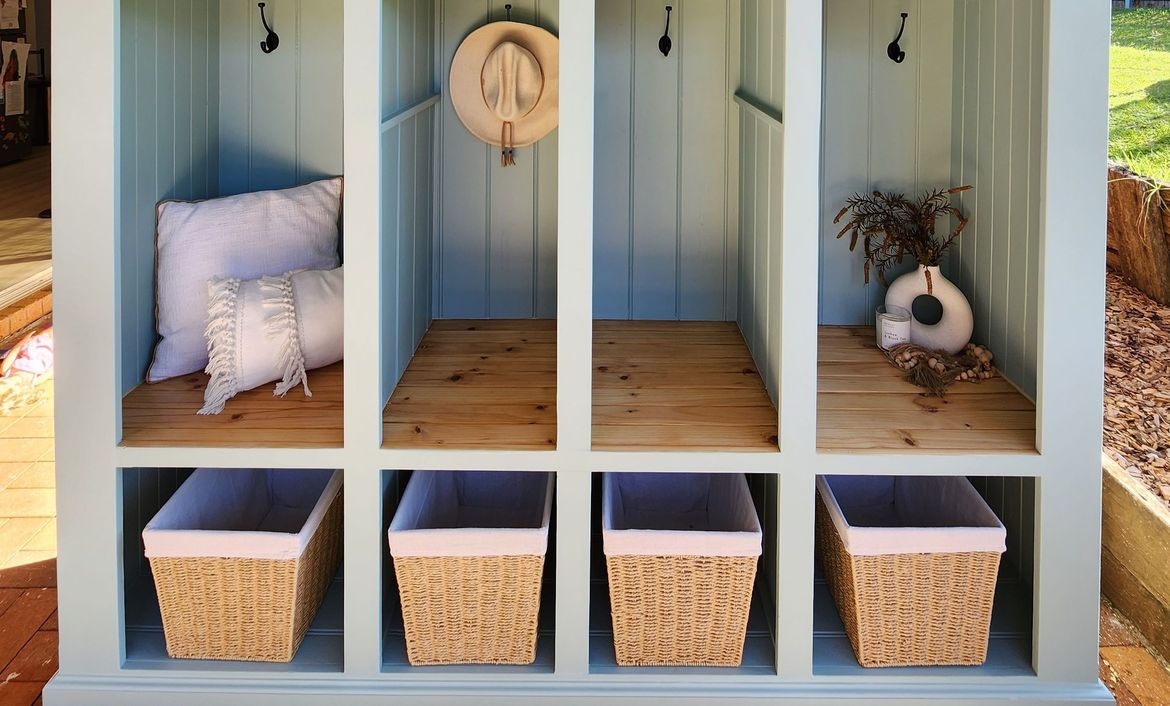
point(1137, 384)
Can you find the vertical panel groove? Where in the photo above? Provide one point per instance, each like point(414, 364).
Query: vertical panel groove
point(678, 175)
point(633, 170)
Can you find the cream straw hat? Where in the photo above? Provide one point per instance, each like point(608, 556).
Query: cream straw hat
point(505, 85)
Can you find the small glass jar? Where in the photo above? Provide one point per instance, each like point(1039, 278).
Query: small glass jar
point(893, 327)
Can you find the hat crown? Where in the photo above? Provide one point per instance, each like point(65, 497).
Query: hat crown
point(512, 81)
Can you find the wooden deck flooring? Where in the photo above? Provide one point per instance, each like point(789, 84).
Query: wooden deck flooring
point(28, 547)
point(487, 384)
point(864, 406)
point(678, 386)
point(164, 414)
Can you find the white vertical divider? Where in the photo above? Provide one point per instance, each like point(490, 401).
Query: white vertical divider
point(574, 333)
point(803, 40)
point(575, 228)
point(1071, 349)
point(85, 196)
point(363, 216)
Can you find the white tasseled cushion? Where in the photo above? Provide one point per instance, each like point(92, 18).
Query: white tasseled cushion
point(272, 328)
point(244, 237)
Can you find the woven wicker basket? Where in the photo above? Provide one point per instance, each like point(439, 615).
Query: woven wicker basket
point(470, 609)
point(912, 609)
point(685, 601)
point(680, 610)
point(258, 610)
point(468, 551)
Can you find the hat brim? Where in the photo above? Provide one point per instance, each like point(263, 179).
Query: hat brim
point(466, 82)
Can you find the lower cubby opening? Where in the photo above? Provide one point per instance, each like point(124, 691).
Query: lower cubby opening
point(678, 386)
point(865, 406)
point(759, 646)
point(164, 414)
point(144, 491)
point(395, 657)
point(1009, 647)
point(478, 384)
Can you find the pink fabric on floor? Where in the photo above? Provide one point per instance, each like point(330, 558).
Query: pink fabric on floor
point(36, 354)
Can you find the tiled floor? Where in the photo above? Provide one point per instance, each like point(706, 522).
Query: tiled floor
point(28, 578)
point(28, 551)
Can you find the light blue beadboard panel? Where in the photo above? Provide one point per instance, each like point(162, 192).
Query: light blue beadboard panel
point(998, 107)
point(1036, 119)
point(496, 233)
point(759, 164)
point(750, 192)
point(761, 169)
point(280, 113)
point(408, 30)
point(319, 92)
point(612, 165)
point(169, 125)
point(409, 184)
point(463, 235)
point(761, 52)
point(766, 350)
point(664, 230)
point(408, 155)
point(656, 165)
point(887, 126)
point(545, 180)
point(1014, 501)
point(706, 140)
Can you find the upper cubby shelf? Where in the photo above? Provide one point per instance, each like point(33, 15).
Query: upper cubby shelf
point(468, 243)
point(686, 231)
point(928, 124)
point(206, 114)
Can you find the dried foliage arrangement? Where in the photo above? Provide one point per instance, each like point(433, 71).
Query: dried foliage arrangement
point(891, 226)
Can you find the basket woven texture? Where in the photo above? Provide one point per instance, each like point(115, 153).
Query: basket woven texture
point(256, 610)
point(470, 609)
point(910, 609)
point(680, 610)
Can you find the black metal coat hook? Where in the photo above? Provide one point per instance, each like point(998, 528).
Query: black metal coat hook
point(894, 51)
point(272, 41)
point(508, 12)
point(664, 44)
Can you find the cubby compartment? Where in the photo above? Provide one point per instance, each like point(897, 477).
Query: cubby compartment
point(965, 108)
point(143, 492)
point(1009, 648)
point(204, 114)
point(669, 511)
point(468, 263)
point(504, 508)
point(687, 226)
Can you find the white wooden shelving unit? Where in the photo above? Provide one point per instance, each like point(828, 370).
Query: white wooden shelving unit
point(1012, 100)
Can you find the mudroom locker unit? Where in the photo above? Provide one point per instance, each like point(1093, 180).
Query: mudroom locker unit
point(655, 285)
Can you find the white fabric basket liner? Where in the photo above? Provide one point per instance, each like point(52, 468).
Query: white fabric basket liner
point(679, 514)
point(255, 513)
point(473, 513)
point(883, 515)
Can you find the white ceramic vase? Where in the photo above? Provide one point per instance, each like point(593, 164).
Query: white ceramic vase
point(952, 330)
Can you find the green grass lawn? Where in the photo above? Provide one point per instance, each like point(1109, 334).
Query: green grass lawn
point(1139, 91)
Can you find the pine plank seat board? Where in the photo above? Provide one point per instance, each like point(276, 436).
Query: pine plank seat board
point(864, 406)
point(478, 384)
point(678, 386)
point(164, 414)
